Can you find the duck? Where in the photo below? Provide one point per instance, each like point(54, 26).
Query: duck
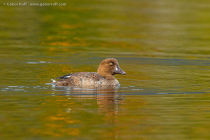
point(103, 77)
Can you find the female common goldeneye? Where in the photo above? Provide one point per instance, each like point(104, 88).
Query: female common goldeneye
point(104, 76)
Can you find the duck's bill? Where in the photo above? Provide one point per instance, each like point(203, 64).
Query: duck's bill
point(118, 70)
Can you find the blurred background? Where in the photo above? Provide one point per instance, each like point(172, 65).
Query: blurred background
point(163, 46)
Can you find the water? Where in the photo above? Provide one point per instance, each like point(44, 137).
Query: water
point(162, 46)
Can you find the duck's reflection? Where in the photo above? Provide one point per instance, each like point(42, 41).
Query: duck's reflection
point(108, 98)
point(105, 102)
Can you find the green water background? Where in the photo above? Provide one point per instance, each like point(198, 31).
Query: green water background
point(162, 45)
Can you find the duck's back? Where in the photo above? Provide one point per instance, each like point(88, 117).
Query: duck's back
point(85, 79)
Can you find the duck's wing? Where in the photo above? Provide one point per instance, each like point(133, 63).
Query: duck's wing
point(64, 77)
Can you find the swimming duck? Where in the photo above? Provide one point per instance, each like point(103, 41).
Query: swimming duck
point(104, 76)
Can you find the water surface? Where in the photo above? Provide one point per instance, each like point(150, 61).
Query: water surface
point(162, 46)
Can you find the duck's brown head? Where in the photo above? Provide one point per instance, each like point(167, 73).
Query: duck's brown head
point(109, 67)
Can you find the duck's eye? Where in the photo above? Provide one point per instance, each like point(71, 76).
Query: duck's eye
point(111, 64)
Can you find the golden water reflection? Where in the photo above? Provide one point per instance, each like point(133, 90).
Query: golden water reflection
point(76, 113)
point(168, 39)
point(107, 98)
point(112, 115)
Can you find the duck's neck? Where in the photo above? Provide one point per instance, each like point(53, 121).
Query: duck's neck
point(105, 75)
point(110, 77)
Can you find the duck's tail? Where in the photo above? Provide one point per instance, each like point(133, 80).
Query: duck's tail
point(53, 80)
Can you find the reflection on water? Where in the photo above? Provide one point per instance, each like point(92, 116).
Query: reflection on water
point(113, 113)
point(107, 98)
point(86, 90)
point(162, 45)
